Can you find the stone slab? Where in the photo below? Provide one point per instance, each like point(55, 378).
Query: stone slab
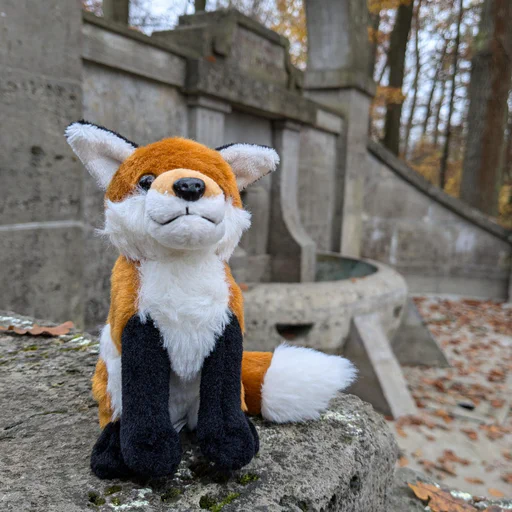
point(413, 344)
point(42, 270)
point(48, 425)
point(380, 381)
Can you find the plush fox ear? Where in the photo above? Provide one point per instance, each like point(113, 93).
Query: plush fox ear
point(100, 150)
point(249, 162)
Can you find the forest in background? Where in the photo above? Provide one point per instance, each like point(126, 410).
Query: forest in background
point(443, 70)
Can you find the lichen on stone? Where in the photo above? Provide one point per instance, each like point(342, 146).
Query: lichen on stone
point(207, 502)
point(351, 421)
point(113, 489)
point(170, 495)
point(247, 478)
point(96, 499)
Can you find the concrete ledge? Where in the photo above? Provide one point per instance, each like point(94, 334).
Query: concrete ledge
point(343, 462)
point(122, 29)
point(119, 50)
point(401, 169)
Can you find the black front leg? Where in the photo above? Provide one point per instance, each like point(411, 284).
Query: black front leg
point(225, 434)
point(149, 444)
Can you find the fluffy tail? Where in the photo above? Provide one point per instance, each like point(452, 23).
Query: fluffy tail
point(293, 383)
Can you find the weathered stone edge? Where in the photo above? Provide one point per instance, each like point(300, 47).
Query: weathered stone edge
point(455, 205)
point(123, 30)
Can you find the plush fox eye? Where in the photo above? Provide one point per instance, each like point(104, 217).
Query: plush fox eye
point(146, 181)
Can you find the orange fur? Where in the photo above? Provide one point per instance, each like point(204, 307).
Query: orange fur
point(123, 297)
point(100, 394)
point(236, 299)
point(254, 368)
point(169, 154)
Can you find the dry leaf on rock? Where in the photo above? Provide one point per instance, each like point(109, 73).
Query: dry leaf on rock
point(439, 500)
point(495, 493)
point(37, 330)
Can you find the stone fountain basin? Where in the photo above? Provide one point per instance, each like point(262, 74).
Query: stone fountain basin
point(318, 314)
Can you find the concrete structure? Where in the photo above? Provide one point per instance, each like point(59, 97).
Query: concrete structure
point(438, 243)
point(380, 379)
point(218, 77)
point(41, 229)
point(344, 461)
point(319, 314)
point(413, 343)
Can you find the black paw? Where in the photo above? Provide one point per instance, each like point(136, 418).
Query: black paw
point(233, 447)
point(151, 452)
point(106, 458)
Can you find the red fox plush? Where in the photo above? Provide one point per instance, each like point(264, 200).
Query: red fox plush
point(171, 352)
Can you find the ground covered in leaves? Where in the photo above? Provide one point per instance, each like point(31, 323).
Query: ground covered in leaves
point(462, 435)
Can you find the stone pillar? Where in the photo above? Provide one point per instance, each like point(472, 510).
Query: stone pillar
point(293, 253)
point(41, 239)
point(206, 120)
point(117, 10)
point(337, 75)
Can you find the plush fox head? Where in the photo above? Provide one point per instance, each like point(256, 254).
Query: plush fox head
point(171, 196)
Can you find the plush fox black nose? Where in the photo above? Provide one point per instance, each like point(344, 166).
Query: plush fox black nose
point(190, 189)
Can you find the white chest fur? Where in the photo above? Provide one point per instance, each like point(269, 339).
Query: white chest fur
point(188, 300)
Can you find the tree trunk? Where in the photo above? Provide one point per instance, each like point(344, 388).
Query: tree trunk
point(435, 81)
point(506, 172)
point(416, 80)
point(396, 60)
point(375, 25)
point(487, 117)
point(438, 113)
point(200, 5)
point(117, 10)
point(446, 150)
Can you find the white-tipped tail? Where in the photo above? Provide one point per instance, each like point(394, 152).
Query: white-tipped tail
point(300, 382)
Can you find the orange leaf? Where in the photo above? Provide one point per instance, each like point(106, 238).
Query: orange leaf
point(403, 461)
point(472, 434)
point(496, 493)
point(37, 330)
point(439, 500)
point(475, 481)
point(507, 477)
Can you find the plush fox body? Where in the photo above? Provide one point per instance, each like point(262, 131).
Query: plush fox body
point(171, 351)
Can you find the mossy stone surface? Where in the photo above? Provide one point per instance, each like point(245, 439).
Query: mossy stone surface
point(49, 424)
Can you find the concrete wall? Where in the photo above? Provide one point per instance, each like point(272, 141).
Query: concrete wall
point(318, 185)
point(41, 232)
point(438, 243)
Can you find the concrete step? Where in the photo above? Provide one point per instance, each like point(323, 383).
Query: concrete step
point(413, 344)
point(381, 381)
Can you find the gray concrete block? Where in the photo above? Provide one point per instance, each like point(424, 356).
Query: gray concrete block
point(42, 270)
point(380, 379)
point(27, 42)
point(108, 48)
point(317, 185)
point(318, 314)
point(293, 251)
point(151, 111)
point(413, 344)
point(41, 178)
